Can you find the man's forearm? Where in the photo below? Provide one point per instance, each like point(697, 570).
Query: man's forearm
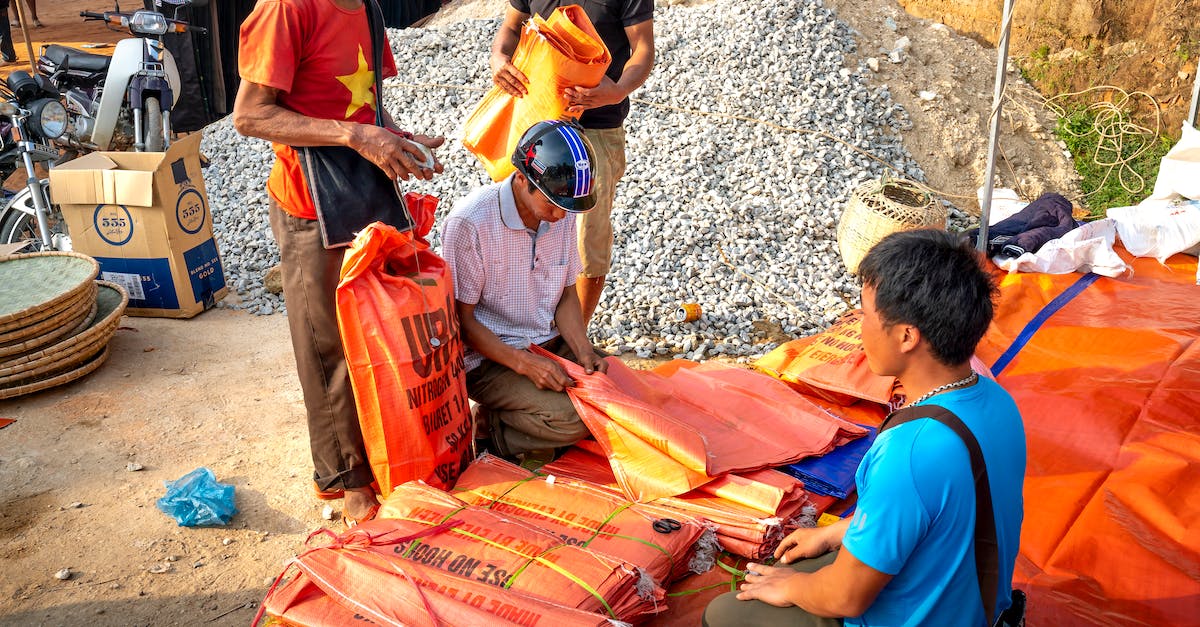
point(636, 71)
point(568, 317)
point(282, 126)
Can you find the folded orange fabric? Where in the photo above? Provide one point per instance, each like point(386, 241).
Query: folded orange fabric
point(667, 434)
point(554, 54)
point(508, 552)
point(749, 530)
point(667, 543)
point(344, 584)
point(830, 365)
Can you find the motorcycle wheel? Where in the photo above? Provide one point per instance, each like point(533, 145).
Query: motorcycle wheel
point(18, 222)
point(153, 132)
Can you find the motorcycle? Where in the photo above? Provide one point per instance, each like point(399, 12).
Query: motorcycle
point(123, 101)
point(32, 116)
point(82, 102)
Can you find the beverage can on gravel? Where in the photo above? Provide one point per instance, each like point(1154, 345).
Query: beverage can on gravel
point(688, 312)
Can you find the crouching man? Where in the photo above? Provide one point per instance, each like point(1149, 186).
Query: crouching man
point(512, 251)
point(907, 556)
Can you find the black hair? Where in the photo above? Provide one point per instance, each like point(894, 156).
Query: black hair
point(935, 281)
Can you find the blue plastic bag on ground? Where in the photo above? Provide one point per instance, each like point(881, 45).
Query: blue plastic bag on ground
point(197, 499)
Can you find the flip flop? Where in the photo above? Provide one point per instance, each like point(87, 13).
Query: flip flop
point(354, 522)
point(328, 495)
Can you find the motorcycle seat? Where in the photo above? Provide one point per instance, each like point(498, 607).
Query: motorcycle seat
point(77, 59)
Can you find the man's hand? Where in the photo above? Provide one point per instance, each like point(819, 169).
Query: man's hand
point(544, 372)
point(396, 156)
point(768, 584)
point(506, 76)
point(804, 543)
point(592, 362)
point(579, 99)
point(430, 143)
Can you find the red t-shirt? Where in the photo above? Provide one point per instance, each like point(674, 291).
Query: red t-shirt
point(318, 56)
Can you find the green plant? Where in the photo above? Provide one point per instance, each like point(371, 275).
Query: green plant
point(1118, 166)
point(1042, 53)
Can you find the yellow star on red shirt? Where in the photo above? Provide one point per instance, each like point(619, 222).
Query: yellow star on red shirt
point(359, 83)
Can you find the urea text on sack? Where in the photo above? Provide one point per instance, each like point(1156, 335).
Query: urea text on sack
point(419, 327)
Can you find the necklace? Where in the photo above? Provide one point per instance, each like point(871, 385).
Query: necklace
point(961, 383)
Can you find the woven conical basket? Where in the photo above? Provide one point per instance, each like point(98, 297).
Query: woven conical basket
point(879, 208)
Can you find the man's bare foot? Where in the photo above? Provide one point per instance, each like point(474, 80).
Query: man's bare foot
point(359, 503)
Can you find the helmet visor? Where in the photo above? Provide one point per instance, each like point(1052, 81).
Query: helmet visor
point(561, 186)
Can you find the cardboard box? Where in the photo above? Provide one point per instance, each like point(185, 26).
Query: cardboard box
point(145, 217)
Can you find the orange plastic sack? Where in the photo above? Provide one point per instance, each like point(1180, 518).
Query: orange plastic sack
point(1106, 373)
point(554, 54)
point(749, 530)
point(345, 583)
point(395, 307)
point(667, 435)
point(508, 552)
point(830, 365)
point(664, 542)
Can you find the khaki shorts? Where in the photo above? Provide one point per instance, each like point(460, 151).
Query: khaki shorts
point(595, 226)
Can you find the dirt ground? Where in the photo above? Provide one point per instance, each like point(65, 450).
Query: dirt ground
point(220, 391)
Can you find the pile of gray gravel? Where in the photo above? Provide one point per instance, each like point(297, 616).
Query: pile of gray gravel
point(695, 184)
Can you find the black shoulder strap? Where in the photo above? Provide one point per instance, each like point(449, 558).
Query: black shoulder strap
point(378, 41)
point(987, 549)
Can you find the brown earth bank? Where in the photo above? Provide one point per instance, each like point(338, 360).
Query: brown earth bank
point(1072, 45)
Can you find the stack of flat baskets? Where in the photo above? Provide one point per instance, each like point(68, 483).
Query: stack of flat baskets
point(56, 320)
point(882, 207)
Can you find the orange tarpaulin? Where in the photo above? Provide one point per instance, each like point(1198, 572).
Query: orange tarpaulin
point(554, 54)
point(396, 315)
point(666, 434)
point(1106, 373)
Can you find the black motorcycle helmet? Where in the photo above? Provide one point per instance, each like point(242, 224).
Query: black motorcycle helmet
point(557, 158)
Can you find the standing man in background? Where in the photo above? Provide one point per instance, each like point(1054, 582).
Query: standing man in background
point(307, 80)
point(627, 28)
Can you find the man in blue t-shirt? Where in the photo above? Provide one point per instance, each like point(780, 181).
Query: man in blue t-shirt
point(907, 556)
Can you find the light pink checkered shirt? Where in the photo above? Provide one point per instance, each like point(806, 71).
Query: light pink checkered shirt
point(513, 275)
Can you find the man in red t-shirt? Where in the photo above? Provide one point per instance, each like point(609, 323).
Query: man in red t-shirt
point(307, 80)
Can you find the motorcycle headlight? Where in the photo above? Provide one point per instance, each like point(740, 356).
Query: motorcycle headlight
point(148, 23)
point(49, 118)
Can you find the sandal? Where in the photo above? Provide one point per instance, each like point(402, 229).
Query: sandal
point(354, 522)
point(328, 495)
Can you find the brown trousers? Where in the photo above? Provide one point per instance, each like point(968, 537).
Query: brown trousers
point(310, 278)
point(523, 417)
point(727, 610)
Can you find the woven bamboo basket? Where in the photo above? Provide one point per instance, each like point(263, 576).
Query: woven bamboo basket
point(61, 378)
point(32, 283)
point(87, 293)
point(74, 350)
point(46, 331)
point(879, 208)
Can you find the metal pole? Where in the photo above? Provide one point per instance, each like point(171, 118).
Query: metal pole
point(1195, 97)
point(985, 206)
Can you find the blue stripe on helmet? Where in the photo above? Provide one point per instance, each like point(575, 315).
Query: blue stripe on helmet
point(583, 175)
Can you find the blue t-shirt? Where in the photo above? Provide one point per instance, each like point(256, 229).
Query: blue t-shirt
point(915, 518)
